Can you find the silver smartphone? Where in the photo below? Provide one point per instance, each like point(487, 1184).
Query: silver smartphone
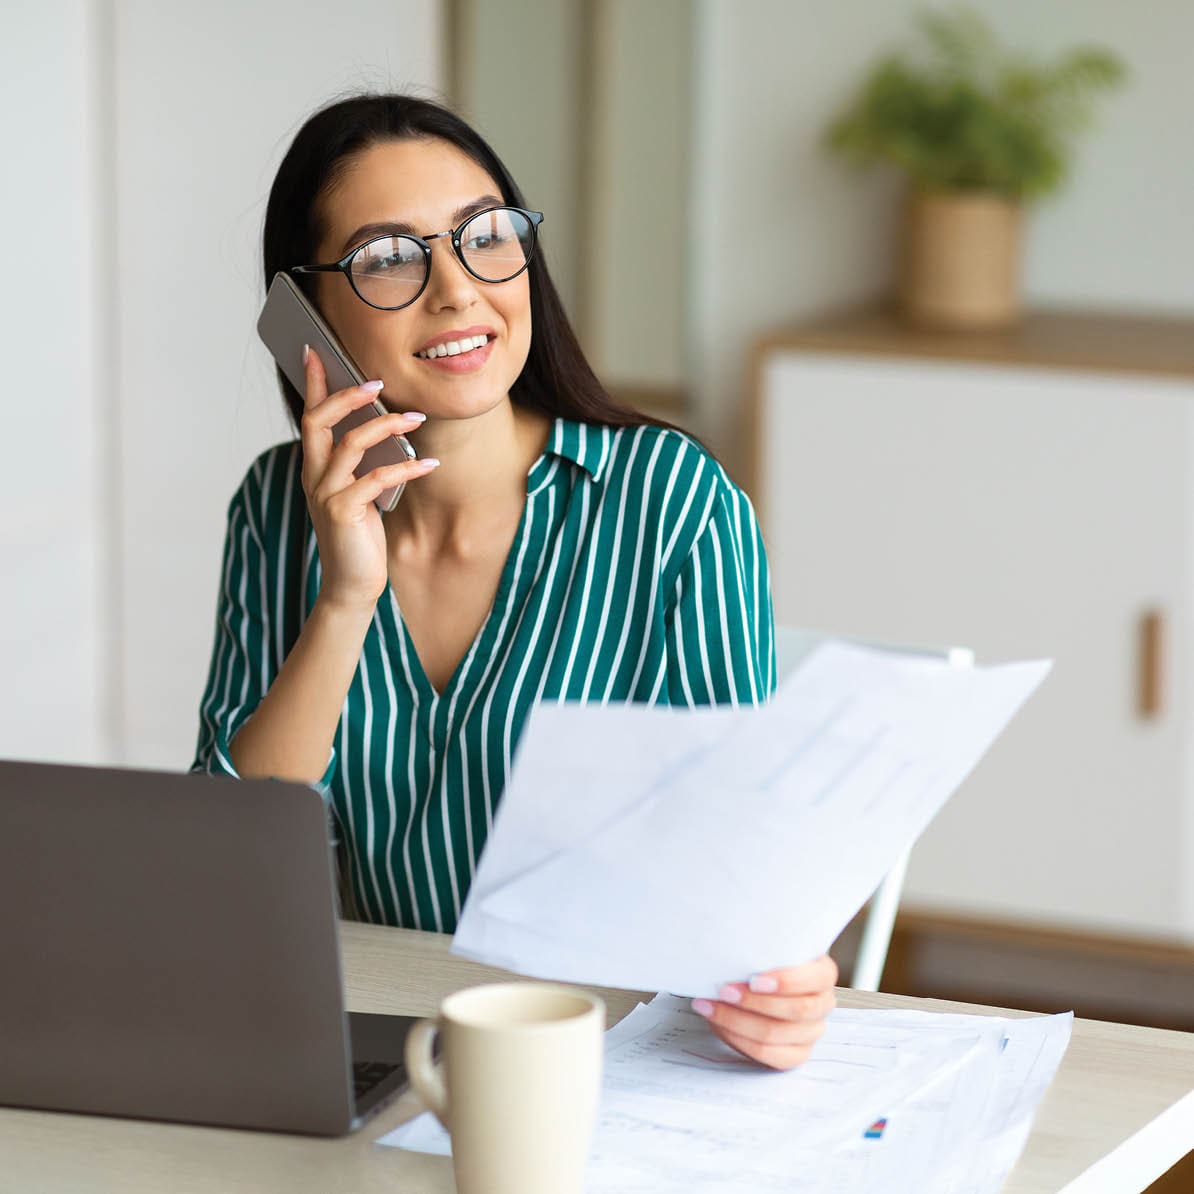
point(287, 322)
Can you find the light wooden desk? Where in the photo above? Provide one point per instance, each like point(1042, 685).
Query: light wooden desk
point(1113, 1081)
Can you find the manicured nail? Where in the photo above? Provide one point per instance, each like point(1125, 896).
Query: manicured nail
point(414, 414)
point(764, 984)
point(306, 352)
point(429, 462)
point(371, 387)
point(729, 994)
point(702, 1007)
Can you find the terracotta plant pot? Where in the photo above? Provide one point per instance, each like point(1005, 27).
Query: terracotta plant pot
point(960, 260)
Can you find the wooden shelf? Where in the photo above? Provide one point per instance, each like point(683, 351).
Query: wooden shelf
point(1105, 342)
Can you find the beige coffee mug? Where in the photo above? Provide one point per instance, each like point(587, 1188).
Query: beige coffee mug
point(519, 1084)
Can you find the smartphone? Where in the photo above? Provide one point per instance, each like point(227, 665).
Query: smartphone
point(287, 322)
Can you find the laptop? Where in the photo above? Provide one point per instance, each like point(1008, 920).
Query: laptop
point(169, 951)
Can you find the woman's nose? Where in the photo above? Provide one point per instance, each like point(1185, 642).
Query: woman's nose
point(450, 284)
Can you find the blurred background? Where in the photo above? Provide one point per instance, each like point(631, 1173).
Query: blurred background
point(1017, 477)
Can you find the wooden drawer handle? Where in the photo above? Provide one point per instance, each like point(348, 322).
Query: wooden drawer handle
point(1152, 660)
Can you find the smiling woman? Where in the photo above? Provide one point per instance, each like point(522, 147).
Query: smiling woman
point(566, 548)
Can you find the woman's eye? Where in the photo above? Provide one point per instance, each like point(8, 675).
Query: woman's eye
point(488, 240)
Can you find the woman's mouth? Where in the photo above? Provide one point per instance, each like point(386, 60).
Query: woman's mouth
point(459, 356)
point(453, 348)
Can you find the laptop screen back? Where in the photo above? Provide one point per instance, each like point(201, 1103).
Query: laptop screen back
point(170, 949)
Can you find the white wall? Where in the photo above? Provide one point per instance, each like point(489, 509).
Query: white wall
point(518, 80)
point(642, 142)
point(52, 510)
point(137, 398)
point(770, 73)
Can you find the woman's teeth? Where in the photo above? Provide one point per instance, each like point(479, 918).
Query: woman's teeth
point(453, 348)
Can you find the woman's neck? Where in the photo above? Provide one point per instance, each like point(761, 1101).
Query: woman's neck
point(480, 483)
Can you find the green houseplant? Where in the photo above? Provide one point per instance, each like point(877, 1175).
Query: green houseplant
point(978, 132)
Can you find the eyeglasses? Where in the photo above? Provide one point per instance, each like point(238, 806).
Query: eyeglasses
point(390, 272)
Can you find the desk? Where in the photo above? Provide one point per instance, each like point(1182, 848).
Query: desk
point(1114, 1080)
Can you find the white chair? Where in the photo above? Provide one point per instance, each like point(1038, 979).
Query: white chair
point(792, 644)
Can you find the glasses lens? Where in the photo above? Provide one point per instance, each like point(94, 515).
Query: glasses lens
point(389, 271)
point(497, 244)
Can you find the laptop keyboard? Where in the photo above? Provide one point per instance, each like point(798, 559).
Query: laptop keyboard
point(367, 1074)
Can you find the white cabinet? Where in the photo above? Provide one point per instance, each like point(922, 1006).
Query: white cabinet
point(1024, 508)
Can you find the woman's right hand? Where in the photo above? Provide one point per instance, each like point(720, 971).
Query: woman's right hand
point(348, 526)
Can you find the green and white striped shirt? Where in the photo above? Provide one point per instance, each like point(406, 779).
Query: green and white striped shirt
point(637, 573)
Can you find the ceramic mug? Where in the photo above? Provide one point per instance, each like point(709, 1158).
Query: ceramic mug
point(518, 1084)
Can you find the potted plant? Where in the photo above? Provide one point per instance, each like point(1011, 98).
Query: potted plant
point(978, 132)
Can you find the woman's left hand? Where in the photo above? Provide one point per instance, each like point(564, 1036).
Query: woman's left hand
point(778, 1015)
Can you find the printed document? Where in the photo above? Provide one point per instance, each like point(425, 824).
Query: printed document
point(896, 1101)
point(677, 850)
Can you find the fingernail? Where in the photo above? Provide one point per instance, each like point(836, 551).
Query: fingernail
point(414, 414)
point(429, 462)
point(372, 386)
point(702, 1007)
point(764, 984)
point(306, 352)
point(729, 994)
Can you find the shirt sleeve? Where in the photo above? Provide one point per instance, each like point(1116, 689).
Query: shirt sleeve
point(720, 623)
point(245, 658)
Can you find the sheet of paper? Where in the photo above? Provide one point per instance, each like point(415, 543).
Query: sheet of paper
point(903, 1102)
point(964, 1149)
point(680, 849)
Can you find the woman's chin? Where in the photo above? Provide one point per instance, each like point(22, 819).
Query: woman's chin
point(453, 402)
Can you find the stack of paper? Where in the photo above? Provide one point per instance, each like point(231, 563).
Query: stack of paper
point(677, 850)
point(893, 1101)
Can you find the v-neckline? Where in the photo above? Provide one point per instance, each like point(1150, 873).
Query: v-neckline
point(389, 602)
point(536, 477)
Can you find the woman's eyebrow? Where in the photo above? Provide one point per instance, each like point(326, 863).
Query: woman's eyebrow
point(367, 231)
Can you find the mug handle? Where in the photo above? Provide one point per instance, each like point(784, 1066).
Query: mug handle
point(425, 1075)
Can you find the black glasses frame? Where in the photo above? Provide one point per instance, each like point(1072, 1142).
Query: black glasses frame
point(344, 265)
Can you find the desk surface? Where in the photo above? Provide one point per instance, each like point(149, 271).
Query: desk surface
point(1113, 1081)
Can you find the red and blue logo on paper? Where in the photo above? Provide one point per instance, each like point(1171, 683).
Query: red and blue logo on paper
point(875, 1131)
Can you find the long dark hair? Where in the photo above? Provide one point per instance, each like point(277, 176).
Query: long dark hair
point(556, 380)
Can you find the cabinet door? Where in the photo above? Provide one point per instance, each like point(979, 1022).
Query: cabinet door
point(1025, 514)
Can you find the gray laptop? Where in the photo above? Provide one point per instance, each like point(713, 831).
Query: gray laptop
point(169, 951)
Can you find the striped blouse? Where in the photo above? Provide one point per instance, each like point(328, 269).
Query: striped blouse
point(637, 573)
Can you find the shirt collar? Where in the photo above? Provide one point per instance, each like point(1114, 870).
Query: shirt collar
point(585, 444)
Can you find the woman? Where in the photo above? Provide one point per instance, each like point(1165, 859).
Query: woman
point(565, 548)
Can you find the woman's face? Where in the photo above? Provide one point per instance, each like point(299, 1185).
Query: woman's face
point(428, 185)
